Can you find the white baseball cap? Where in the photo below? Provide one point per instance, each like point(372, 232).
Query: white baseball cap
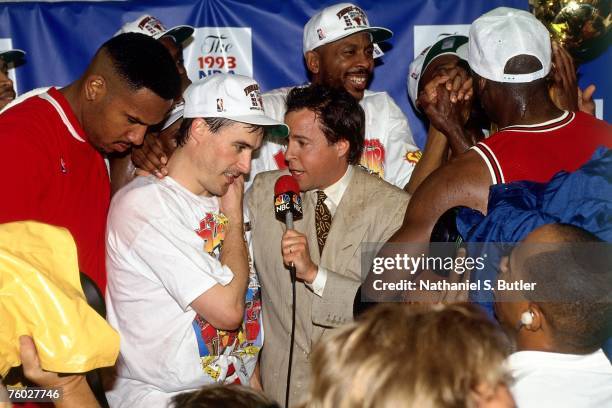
point(447, 44)
point(151, 26)
point(339, 21)
point(230, 96)
point(12, 55)
point(504, 33)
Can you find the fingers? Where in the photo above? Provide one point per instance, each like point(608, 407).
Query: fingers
point(29, 357)
point(459, 84)
point(292, 241)
point(586, 103)
point(564, 66)
point(467, 90)
point(430, 90)
point(587, 94)
point(150, 156)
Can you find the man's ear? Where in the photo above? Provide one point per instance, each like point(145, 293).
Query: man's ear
point(197, 131)
point(342, 147)
point(538, 317)
point(95, 87)
point(504, 264)
point(313, 60)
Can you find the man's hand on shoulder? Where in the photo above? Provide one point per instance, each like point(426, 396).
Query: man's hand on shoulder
point(150, 158)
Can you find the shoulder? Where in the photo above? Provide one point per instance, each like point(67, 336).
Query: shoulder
point(385, 192)
point(143, 198)
point(585, 119)
point(32, 122)
point(263, 183)
point(274, 102)
point(277, 93)
point(377, 97)
point(21, 98)
point(380, 102)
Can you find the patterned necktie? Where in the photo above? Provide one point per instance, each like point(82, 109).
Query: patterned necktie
point(322, 220)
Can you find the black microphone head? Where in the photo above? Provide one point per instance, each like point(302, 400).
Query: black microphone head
point(287, 198)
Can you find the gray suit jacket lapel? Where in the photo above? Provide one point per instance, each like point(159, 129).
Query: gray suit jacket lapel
point(347, 229)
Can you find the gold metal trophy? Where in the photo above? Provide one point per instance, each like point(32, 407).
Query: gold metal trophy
point(581, 26)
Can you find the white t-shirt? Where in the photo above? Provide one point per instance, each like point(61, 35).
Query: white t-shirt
point(561, 380)
point(163, 246)
point(389, 149)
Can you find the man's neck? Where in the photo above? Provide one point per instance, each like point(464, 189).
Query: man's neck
point(72, 94)
point(535, 343)
point(335, 179)
point(538, 109)
point(180, 170)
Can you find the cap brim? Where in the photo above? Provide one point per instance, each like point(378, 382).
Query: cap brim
point(175, 114)
point(12, 56)
point(436, 50)
point(379, 34)
point(273, 128)
point(179, 33)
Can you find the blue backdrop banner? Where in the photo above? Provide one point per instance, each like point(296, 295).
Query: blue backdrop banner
point(260, 38)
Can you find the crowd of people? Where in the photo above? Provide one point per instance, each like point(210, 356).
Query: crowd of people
point(196, 270)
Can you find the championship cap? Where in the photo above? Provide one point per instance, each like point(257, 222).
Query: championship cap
point(12, 56)
point(504, 33)
point(339, 21)
point(152, 27)
point(230, 96)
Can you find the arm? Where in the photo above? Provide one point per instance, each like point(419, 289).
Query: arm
point(446, 95)
point(446, 115)
point(434, 156)
point(463, 182)
point(223, 306)
point(75, 390)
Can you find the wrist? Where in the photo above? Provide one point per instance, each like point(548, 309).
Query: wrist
point(313, 270)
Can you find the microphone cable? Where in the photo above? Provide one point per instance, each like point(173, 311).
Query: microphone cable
point(292, 338)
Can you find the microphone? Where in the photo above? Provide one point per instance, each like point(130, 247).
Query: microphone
point(287, 207)
point(287, 200)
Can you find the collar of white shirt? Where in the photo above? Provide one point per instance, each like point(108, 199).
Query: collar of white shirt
point(335, 192)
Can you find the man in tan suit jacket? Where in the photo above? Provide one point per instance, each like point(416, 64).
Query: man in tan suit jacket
point(363, 209)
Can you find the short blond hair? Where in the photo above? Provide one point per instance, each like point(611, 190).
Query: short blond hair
point(409, 356)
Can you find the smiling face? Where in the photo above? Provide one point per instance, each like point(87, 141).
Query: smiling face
point(7, 93)
point(313, 161)
point(346, 63)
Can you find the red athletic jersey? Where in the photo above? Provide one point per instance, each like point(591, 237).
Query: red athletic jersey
point(537, 152)
point(53, 175)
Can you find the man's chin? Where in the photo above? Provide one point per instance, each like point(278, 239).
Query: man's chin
point(355, 93)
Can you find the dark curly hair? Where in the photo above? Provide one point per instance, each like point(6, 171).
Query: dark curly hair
point(143, 62)
point(339, 114)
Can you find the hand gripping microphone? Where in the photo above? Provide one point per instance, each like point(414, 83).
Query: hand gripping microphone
point(287, 207)
point(287, 200)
